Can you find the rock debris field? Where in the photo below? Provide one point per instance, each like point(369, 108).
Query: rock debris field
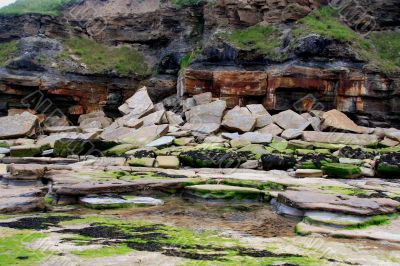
point(191, 182)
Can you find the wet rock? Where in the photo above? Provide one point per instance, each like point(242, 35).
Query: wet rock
point(239, 119)
point(253, 151)
point(224, 192)
point(257, 137)
point(211, 159)
point(290, 120)
point(289, 134)
point(203, 98)
point(161, 142)
point(145, 135)
point(97, 202)
point(310, 200)
point(138, 105)
point(340, 138)
point(337, 120)
point(338, 170)
point(19, 125)
point(168, 162)
point(272, 129)
point(356, 153)
point(277, 162)
point(20, 200)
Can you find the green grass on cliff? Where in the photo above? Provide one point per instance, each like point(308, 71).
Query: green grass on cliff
point(387, 45)
point(6, 51)
point(263, 39)
point(47, 7)
point(103, 59)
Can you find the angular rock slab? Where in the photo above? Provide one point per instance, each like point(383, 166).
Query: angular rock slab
point(257, 138)
point(310, 200)
point(340, 138)
point(114, 202)
point(224, 192)
point(138, 105)
point(20, 200)
point(17, 125)
point(335, 119)
point(291, 120)
point(145, 135)
point(239, 119)
point(163, 141)
point(207, 113)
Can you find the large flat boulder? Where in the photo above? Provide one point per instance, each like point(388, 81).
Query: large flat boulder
point(138, 105)
point(290, 120)
point(145, 135)
point(21, 199)
point(340, 138)
point(207, 113)
point(263, 118)
point(239, 119)
point(272, 129)
point(337, 120)
point(19, 125)
point(312, 200)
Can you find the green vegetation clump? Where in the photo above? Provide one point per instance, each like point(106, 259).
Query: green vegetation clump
point(46, 7)
point(387, 45)
point(373, 221)
point(187, 59)
point(7, 50)
point(100, 58)
point(263, 39)
point(338, 170)
point(345, 190)
point(184, 3)
point(13, 250)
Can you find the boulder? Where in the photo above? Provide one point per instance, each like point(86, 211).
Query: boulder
point(31, 150)
point(116, 134)
point(239, 119)
point(4, 150)
point(340, 138)
point(163, 141)
point(388, 142)
point(203, 98)
point(277, 162)
point(272, 129)
point(308, 173)
point(71, 135)
point(19, 125)
point(66, 147)
point(257, 137)
point(145, 135)
point(339, 170)
point(263, 118)
point(138, 105)
point(133, 123)
point(207, 113)
point(251, 164)
point(290, 120)
point(224, 192)
point(92, 125)
point(142, 162)
point(119, 150)
point(201, 129)
point(51, 130)
point(100, 202)
point(337, 120)
point(153, 118)
point(56, 121)
point(168, 162)
point(230, 136)
point(309, 200)
point(174, 119)
point(239, 143)
point(214, 139)
point(395, 135)
point(289, 134)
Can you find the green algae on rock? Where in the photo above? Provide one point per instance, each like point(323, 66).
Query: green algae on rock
point(338, 170)
point(225, 192)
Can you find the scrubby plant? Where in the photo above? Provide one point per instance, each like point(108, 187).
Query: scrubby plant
point(7, 50)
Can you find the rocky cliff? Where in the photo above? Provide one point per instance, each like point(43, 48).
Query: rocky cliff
point(281, 53)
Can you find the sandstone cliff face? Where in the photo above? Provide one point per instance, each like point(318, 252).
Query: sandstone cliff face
point(331, 71)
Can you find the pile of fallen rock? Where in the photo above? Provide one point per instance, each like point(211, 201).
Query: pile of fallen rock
point(204, 133)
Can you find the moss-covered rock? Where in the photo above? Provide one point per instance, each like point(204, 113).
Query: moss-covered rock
point(315, 161)
point(388, 165)
point(338, 170)
point(225, 192)
point(66, 147)
point(28, 150)
point(253, 151)
point(211, 158)
point(142, 162)
point(119, 150)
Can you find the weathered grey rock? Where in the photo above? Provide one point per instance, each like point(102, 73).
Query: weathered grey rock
point(93, 115)
point(335, 119)
point(50, 130)
point(203, 98)
point(230, 136)
point(214, 139)
point(174, 119)
point(145, 135)
point(289, 134)
point(163, 141)
point(91, 125)
point(263, 118)
point(168, 162)
point(239, 143)
point(257, 137)
point(272, 129)
point(56, 121)
point(315, 123)
point(251, 164)
point(133, 123)
point(239, 119)
point(340, 138)
point(188, 104)
point(388, 142)
point(183, 141)
point(24, 141)
point(290, 119)
point(19, 125)
point(159, 107)
point(142, 162)
point(153, 118)
point(100, 202)
point(21, 199)
point(368, 172)
point(138, 105)
point(116, 134)
point(310, 200)
point(202, 129)
point(350, 161)
point(4, 151)
point(98, 117)
point(31, 150)
point(395, 135)
point(207, 113)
